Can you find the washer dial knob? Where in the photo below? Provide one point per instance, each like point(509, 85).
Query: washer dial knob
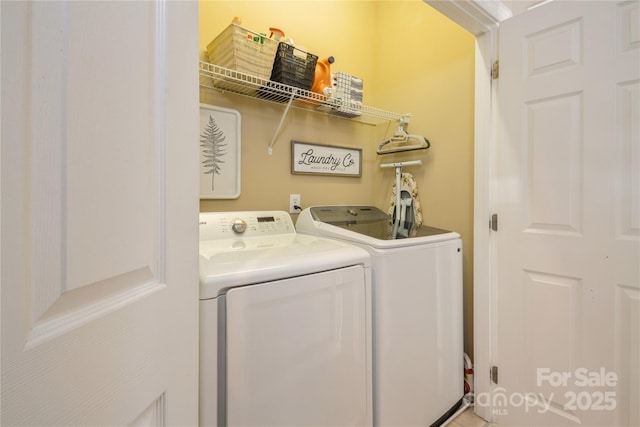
point(239, 225)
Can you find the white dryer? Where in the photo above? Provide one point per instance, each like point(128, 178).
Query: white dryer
point(285, 332)
point(418, 375)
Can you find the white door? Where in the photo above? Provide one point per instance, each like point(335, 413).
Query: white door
point(99, 213)
point(568, 199)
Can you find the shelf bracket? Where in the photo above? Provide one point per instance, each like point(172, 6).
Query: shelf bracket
point(284, 116)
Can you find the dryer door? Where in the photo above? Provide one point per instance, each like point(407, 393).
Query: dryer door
point(297, 351)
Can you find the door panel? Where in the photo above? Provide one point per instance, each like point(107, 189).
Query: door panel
point(568, 200)
point(86, 251)
point(99, 217)
point(553, 169)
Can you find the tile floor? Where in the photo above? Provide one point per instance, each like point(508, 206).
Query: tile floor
point(469, 419)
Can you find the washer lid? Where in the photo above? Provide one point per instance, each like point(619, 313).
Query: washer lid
point(368, 225)
point(228, 263)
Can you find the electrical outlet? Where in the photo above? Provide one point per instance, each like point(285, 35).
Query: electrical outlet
point(294, 200)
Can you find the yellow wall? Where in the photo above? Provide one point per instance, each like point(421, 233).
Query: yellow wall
point(325, 29)
point(426, 63)
point(412, 60)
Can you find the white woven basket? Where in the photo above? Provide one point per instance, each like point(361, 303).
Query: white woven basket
point(243, 50)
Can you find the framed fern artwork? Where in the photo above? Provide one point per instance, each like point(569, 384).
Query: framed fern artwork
point(219, 152)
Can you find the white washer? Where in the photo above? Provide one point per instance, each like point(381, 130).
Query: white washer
point(418, 376)
point(285, 331)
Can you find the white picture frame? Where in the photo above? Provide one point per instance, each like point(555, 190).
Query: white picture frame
point(220, 152)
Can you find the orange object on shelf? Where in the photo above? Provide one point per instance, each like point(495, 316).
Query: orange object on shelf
point(322, 79)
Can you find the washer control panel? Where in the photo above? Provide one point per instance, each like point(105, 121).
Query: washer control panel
point(225, 225)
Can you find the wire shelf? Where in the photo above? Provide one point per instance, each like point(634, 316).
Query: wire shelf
point(223, 79)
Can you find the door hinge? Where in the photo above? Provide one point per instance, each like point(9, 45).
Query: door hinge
point(493, 224)
point(494, 374)
point(495, 69)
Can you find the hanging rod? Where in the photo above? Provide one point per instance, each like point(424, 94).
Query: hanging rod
point(401, 164)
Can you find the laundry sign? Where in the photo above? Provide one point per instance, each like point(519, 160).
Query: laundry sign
point(320, 159)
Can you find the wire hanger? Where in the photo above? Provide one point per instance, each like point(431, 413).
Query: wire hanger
point(397, 142)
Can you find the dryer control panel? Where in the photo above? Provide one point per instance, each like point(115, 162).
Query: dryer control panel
point(226, 225)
